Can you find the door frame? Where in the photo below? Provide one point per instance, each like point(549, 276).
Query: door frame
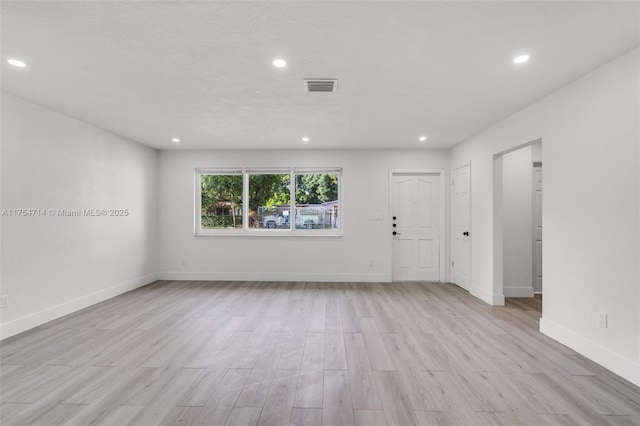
point(470, 252)
point(442, 237)
point(498, 240)
point(537, 166)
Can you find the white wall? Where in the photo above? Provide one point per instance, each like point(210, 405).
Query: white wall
point(365, 189)
point(52, 266)
point(590, 132)
point(536, 152)
point(517, 215)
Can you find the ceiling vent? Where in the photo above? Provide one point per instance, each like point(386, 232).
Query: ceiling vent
point(326, 85)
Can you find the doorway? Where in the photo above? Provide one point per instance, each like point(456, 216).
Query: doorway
point(518, 221)
point(417, 224)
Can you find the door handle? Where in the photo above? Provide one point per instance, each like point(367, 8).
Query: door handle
point(396, 233)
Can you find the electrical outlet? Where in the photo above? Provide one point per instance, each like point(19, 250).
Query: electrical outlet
point(4, 301)
point(602, 319)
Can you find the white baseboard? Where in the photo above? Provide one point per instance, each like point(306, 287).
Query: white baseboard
point(518, 291)
point(626, 368)
point(272, 276)
point(491, 299)
point(35, 319)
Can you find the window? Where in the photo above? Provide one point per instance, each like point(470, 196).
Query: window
point(260, 202)
point(317, 200)
point(269, 200)
point(221, 201)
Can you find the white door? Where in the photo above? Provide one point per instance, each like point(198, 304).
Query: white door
point(537, 229)
point(415, 226)
point(461, 251)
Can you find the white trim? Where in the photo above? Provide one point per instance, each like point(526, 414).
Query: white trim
point(518, 291)
point(266, 170)
point(533, 226)
point(273, 276)
point(498, 225)
point(35, 319)
point(197, 199)
point(489, 298)
point(442, 238)
point(245, 207)
point(270, 233)
point(626, 368)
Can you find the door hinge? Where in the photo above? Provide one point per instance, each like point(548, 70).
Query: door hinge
point(452, 263)
point(453, 181)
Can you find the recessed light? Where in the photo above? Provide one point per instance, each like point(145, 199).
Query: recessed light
point(175, 140)
point(279, 63)
point(305, 139)
point(16, 63)
point(520, 59)
point(422, 138)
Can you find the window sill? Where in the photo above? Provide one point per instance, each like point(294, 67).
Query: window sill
point(260, 233)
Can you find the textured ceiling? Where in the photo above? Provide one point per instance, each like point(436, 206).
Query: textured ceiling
point(201, 71)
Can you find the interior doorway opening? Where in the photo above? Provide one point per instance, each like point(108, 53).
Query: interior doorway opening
point(517, 229)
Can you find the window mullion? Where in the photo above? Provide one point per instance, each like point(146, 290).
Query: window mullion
point(292, 202)
point(245, 201)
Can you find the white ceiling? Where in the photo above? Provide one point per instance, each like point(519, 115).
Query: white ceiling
point(201, 70)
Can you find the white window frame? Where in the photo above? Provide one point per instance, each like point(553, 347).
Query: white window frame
point(245, 231)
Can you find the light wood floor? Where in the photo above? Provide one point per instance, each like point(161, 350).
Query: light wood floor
point(304, 354)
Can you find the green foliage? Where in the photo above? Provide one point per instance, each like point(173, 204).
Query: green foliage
point(316, 188)
point(218, 190)
point(221, 192)
point(268, 190)
point(221, 221)
point(279, 199)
